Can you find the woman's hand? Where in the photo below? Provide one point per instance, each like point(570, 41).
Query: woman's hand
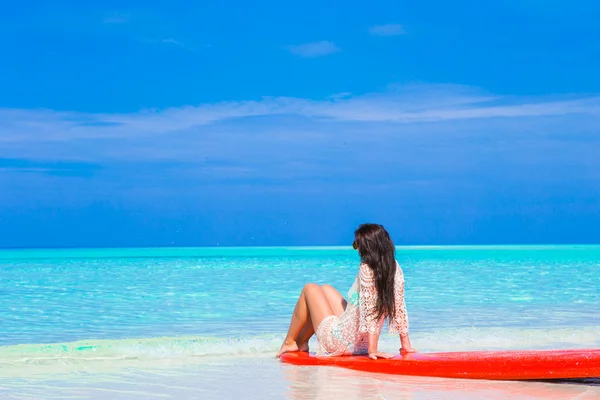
point(375, 356)
point(407, 350)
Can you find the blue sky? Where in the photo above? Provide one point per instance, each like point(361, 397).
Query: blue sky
point(267, 123)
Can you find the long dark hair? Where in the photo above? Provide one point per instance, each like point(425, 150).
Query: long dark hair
point(377, 250)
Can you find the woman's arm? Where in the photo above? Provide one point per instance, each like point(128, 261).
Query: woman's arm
point(405, 346)
point(400, 323)
point(372, 348)
point(368, 304)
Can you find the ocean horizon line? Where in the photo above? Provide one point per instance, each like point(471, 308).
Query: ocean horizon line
point(298, 247)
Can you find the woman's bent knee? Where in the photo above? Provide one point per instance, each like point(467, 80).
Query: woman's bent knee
point(310, 286)
point(330, 291)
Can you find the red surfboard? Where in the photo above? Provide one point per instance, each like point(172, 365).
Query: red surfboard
point(497, 365)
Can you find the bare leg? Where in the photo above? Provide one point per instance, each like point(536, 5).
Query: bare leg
point(305, 334)
point(337, 304)
point(312, 306)
point(335, 299)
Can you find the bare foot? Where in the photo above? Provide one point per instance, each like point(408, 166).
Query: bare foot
point(287, 347)
point(303, 347)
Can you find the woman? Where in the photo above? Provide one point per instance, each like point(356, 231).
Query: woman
point(353, 326)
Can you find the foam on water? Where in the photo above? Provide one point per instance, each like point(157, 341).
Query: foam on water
point(116, 355)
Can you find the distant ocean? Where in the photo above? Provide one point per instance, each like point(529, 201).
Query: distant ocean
point(206, 322)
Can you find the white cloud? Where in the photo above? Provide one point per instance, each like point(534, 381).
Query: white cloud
point(400, 105)
point(177, 43)
point(316, 49)
point(172, 41)
point(268, 134)
point(387, 30)
point(116, 19)
point(424, 131)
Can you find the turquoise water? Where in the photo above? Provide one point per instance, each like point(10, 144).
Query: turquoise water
point(105, 311)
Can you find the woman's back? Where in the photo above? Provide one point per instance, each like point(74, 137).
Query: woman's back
point(359, 317)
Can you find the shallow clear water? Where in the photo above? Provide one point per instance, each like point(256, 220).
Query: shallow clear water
point(98, 316)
